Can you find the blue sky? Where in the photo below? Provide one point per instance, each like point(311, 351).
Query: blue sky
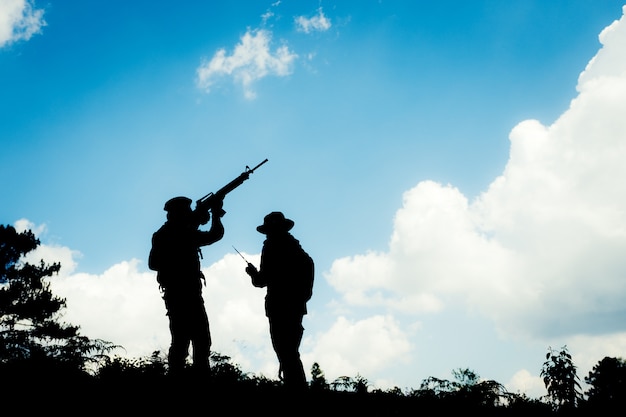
point(453, 167)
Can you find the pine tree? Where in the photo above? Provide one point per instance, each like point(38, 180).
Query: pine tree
point(31, 334)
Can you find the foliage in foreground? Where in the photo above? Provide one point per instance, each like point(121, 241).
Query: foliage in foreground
point(143, 384)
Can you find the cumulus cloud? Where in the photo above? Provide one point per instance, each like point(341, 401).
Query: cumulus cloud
point(19, 20)
point(51, 253)
point(363, 346)
point(317, 23)
point(23, 225)
point(526, 383)
point(434, 251)
point(251, 60)
point(560, 206)
point(123, 305)
point(540, 253)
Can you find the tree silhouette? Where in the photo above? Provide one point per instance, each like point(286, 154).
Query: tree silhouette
point(608, 383)
point(361, 384)
point(560, 379)
point(31, 334)
point(318, 380)
point(466, 389)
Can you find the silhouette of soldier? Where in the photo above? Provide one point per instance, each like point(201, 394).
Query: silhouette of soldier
point(287, 271)
point(175, 255)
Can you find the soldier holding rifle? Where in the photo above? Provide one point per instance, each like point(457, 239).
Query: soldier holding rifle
point(175, 255)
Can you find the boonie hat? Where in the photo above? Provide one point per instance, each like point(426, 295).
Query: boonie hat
point(275, 221)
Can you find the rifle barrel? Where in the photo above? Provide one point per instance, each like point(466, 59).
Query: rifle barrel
point(252, 170)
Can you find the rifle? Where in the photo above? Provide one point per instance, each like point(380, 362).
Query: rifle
point(214, 200)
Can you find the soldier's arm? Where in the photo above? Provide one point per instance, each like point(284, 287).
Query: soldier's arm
point(215, 233)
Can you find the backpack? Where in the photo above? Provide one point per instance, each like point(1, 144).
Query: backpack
point(308, 275)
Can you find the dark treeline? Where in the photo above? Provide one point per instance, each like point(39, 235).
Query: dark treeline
point(48, 366)
point(143, 385)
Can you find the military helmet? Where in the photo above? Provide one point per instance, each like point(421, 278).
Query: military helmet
point(178, 204)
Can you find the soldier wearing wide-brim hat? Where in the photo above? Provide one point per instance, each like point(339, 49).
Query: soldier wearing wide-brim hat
point(275, 222)
point(287, 271)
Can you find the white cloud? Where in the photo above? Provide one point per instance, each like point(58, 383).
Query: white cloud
point(541, 252)
point(526, 383)
point(609, 61)
point(19, 20)
point(22, 225)
point(434, 251)
point(543, 247)
point(236, 311)
point(121, 305)
point(364, 346)
point(51, 253)
point(250, 61)
point(124, 306)
point(318, 23)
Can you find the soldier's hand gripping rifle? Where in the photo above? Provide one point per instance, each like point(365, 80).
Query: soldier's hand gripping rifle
point(213, 201)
